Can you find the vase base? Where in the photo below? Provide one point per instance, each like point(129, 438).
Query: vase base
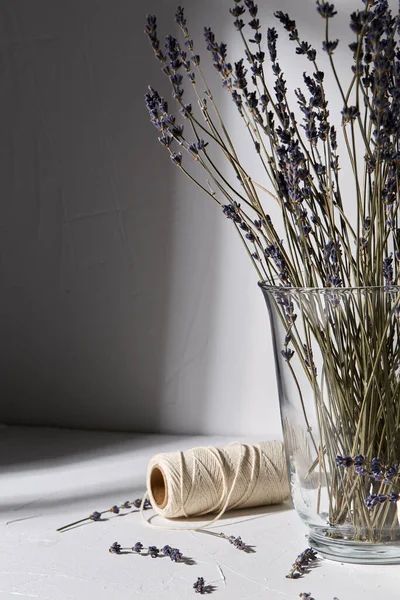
point(350, 551)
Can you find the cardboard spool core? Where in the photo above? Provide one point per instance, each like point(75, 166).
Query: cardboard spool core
point(158, 486)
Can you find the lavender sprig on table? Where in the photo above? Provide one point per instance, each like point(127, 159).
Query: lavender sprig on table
point(174, 553)
point(96, 516)
point(237, 542)
point(199, 585)
point(302, 563)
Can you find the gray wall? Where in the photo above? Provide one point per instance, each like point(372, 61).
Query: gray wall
point(84, 246)
point(126, 301)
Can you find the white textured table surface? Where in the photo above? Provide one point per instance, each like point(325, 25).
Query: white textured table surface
point(51, 477)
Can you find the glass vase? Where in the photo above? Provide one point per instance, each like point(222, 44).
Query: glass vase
point(337, 358)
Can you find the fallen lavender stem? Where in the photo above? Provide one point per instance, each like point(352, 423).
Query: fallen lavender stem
point(235, 541)
point(301, 564)
point(174, 553)
point(96, 516)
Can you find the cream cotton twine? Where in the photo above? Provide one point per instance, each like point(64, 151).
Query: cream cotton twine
point(214, 480)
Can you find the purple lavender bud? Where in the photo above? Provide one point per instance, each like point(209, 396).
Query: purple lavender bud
point(287, 354)
point(393, 497)
point(288, 24)
point(177, 131)
point(115, 548)
point(376, 465)
point(138, 547)
point(391, 472)
point(147, 504)
point(114, 509)
point(153, 551)
point(360, 470)
point(330, 46)
point(371, 501)
point(388, 268)
point(186, 111)
point(237, 11)
point(349, 113)
point(237, 542)
point(348, 461)
point(175, 555)
point(312, 55)
point(344, 461)
point(180, 17)
point(176, 158)
point(199, 585)
point(95, 516)
point(255, 24)
point(359, 460)
point(303, 48)
point(166, 550)
point(126, 504)
point(310, 554)
point(201, 144)
point(239, 24)
point(326, 10)
point(166, 140)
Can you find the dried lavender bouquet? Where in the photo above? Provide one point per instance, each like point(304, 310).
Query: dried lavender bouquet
point(316, 244)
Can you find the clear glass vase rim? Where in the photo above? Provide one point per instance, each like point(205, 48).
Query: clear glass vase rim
point(281, 288)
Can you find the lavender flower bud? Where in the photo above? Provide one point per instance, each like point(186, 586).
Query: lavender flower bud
point(180, 17)
point(330, 46)
point(177, 158)
point(288, 24)
point(239, 24)
point(287, 354)
point(175, 555)
point(349, 113)
point(95, 516)
point(344, 461)
point(326, 10)
point(199, 585)
point(237, 11)
point(153, 551)
point(237, 542)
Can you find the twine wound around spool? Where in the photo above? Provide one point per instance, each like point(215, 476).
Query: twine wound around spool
point(212, 480)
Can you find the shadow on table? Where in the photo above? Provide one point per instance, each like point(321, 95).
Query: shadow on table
point(26, 449)
point(20, 446)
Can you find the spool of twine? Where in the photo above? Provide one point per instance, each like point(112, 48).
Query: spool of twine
point(212, 480)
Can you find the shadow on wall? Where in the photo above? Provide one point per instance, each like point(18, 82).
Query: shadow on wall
point(85, 217)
